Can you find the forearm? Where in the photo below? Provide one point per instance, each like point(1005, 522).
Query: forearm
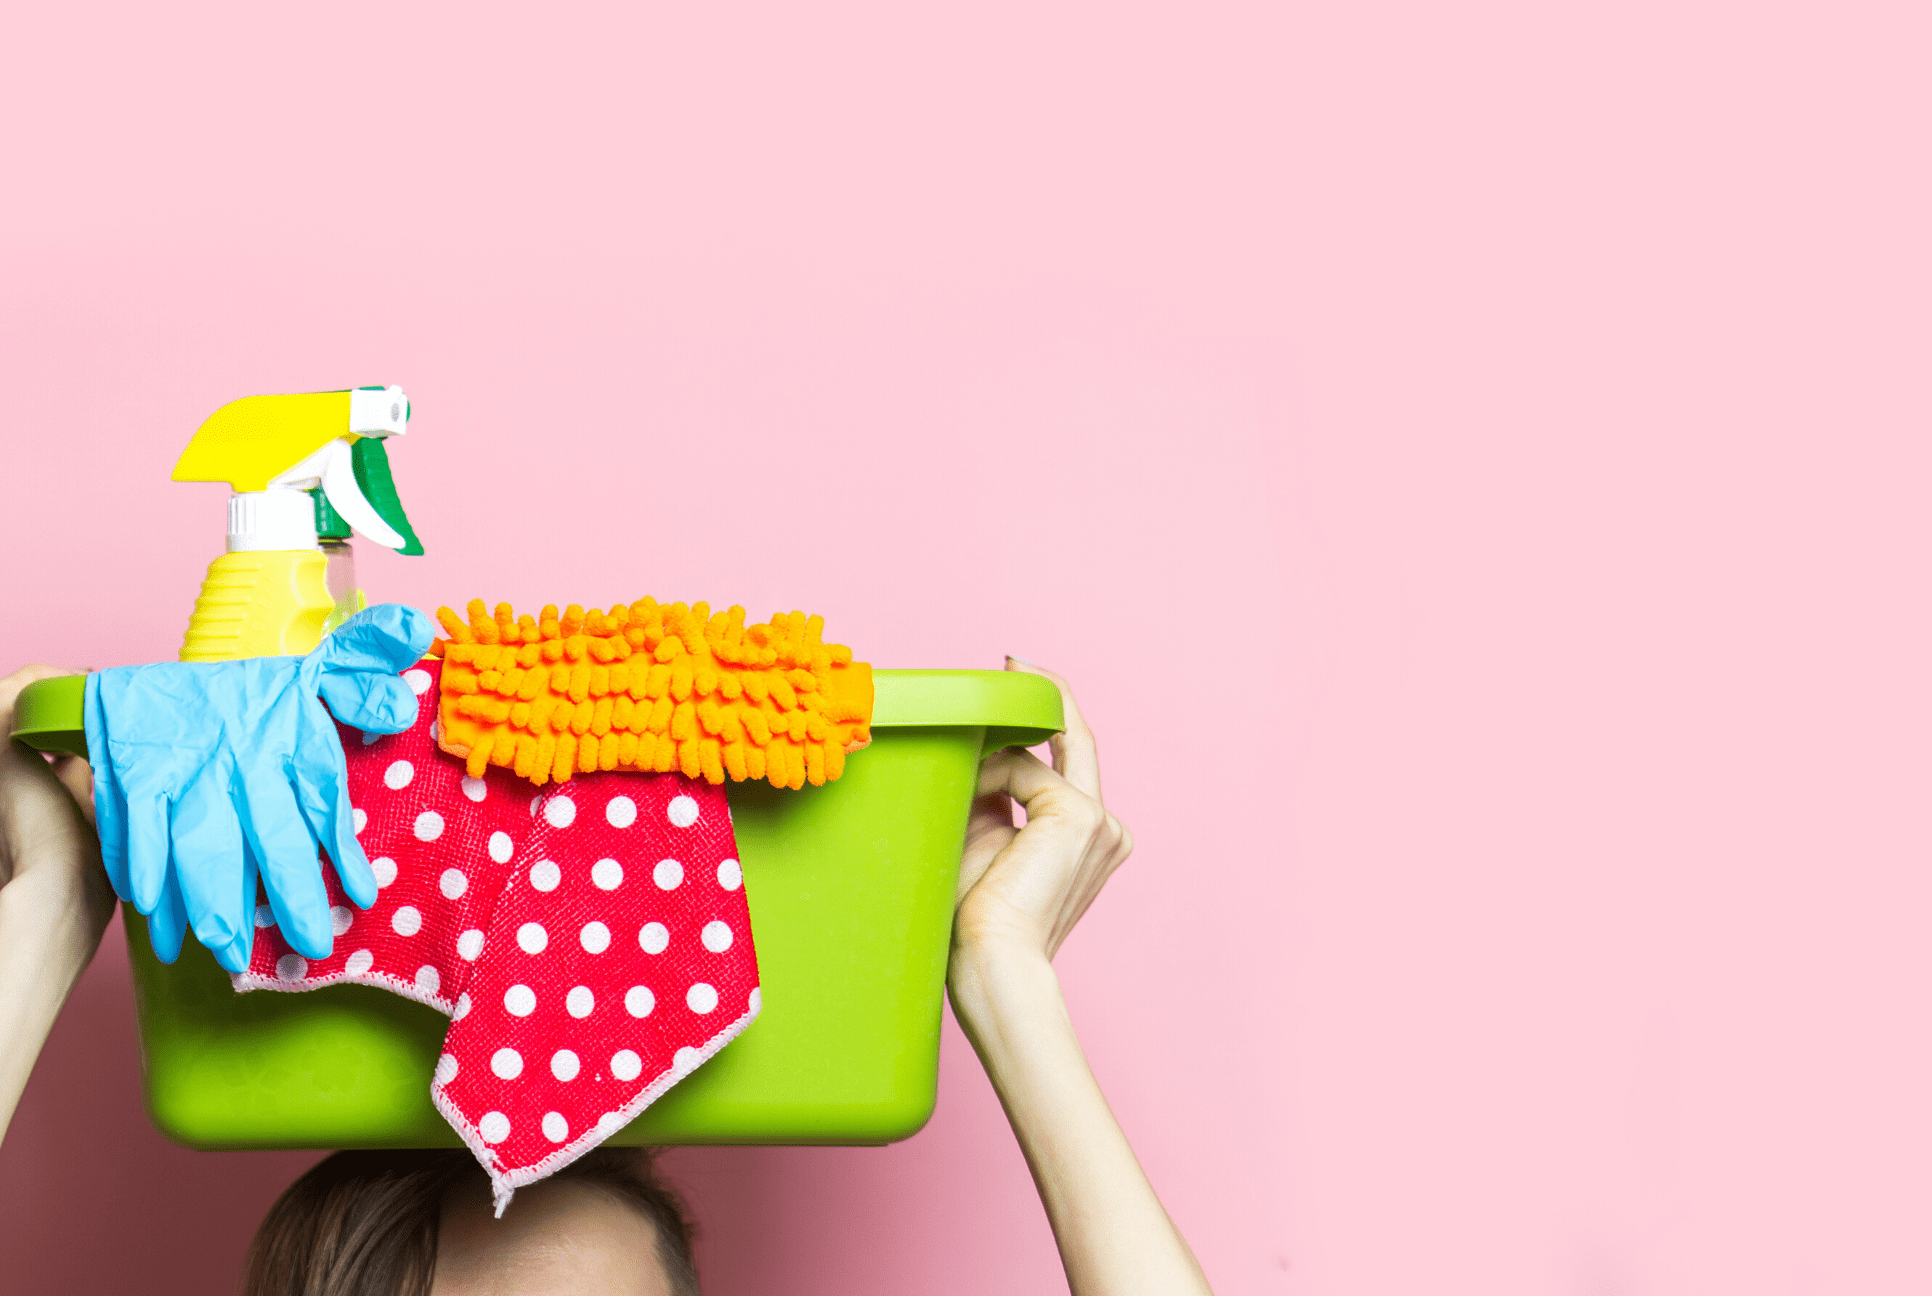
point(48, 935)
point(1114, 1236)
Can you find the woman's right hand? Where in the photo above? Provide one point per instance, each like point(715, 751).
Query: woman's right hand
point(47, 814)
point(54, 896)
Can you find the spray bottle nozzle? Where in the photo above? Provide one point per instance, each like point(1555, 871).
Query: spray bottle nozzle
point(378, 411)
point(273, 450)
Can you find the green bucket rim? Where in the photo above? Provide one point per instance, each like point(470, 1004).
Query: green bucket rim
point(1015, 708)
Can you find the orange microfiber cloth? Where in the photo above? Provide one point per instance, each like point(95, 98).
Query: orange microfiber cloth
point(650, 687)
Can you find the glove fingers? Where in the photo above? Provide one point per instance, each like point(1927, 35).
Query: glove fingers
point(235, 957)
point(208, 859)
point(372, 703)
point(168, 924)
point(322, 787)
point(147, 833)
point(385, 639)
point(277, 831)
point(110, 804)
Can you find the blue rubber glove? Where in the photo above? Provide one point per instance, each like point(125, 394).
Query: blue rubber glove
point(207, 772)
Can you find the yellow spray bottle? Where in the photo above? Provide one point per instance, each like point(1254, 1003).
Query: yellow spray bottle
point(304, 470)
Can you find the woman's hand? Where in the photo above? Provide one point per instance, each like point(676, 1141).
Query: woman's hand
point(1021, 890)
point(54, 896)
point(47, 815)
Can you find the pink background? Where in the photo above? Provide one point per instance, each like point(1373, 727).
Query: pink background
point(1518, 410)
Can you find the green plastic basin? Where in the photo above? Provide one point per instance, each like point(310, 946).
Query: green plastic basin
point(851, 891)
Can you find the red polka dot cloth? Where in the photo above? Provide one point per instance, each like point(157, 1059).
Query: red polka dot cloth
point(589, 943)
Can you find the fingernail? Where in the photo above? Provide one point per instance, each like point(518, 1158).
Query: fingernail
point(1021, 660)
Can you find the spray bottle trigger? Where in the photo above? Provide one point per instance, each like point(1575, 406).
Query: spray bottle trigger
point(371, 462)
point(345, 496)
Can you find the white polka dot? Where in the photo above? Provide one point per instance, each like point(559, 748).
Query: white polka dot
point(462, 1008)
point(683, 811)
point(359, 962)
point(291, 967)
point(494, 1127)
point(730, 876)
point(384, 868)
point(685, 1061)
point(407, 921)
point(609, 1123)
point(564, 1064)
point(544, 875)
point(475, 789)
point(454, 884)
point(595, 938)
point(519, 1001)
point(668, 874)
point(608, 874)
point(555, 1127)
point(428, 979)
point(341, 918)
point(560, 811)
point(580, 1001)
point(418, 680)
point(532, 938)
point(626, 1065)
point(757, 1000)
point(507, 1063)
point(501, 847)
point(653, 937)
point(429, 826)
point(361, 819)
point(436, 731)
point(470, 944)
point(701, 998)
point(399, 774)
point(264, 916)
point(446, 1069)
point(370, 739)
point(638, 1001)
point(716, 937)
point(535, 801)
point(621, 811)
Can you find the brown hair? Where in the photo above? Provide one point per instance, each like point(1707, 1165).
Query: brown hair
point(366, 1223)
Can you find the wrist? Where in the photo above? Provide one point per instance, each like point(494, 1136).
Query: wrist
point(63, 915)
point(991, 981)
point(49, 930)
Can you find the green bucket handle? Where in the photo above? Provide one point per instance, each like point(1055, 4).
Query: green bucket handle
point(47, 715)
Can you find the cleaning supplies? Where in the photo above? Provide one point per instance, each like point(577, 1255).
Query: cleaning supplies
point(590, 948)
point(651, 687)
point(301, 467)
point(854, 886)
point(305, 470)
point(205, 771)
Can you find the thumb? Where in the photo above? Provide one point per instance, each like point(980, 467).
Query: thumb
point(385, 638)
point(372, 703)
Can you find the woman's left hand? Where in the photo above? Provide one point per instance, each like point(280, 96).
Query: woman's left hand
point(1021, 890)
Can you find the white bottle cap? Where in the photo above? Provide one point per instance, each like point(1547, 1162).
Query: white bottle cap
point(280, 517)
